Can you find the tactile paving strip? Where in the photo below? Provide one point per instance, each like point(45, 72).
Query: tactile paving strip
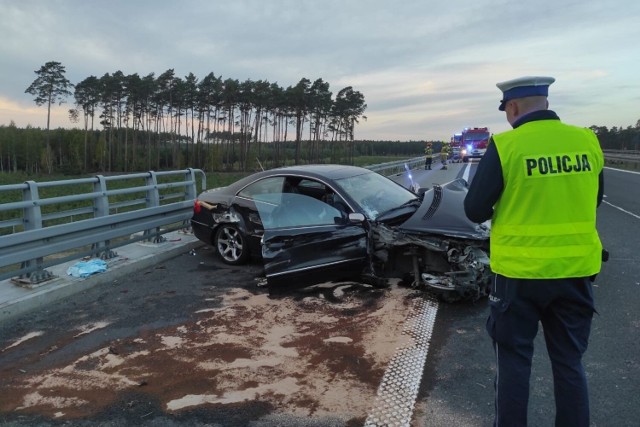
point(401, 381)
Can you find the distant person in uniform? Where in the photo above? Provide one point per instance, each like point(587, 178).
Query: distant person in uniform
point(540, 184)
point(428, 156)
point(444, 154)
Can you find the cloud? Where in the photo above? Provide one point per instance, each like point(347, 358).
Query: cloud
point(426, 69)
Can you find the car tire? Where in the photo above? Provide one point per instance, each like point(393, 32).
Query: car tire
point(231, 245)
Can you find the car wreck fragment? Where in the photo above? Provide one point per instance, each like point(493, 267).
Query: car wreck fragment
point(438, 249)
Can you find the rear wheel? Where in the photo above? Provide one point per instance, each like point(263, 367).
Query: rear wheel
point(231, 245)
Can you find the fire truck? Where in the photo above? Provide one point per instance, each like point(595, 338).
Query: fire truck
point(474, 143)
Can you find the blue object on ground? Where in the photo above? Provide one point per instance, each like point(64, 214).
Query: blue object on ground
point(87, 268)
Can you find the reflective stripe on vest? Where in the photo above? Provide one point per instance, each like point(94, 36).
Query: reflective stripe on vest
point(544, 225)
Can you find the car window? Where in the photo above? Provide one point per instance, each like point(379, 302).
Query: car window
point(374, 193)
point(310, 184)
point(296, 210)
point(271, 185)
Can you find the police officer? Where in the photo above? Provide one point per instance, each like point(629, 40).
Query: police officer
point(540, 184)
point(428, 156)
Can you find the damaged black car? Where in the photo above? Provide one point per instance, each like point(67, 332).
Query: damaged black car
point(316, 223)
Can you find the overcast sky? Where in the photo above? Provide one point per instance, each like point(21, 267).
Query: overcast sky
point(426, 68)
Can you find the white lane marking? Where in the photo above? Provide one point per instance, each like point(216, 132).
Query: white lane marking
point(617, 207)
point(400, 384)
point(620, 209)
point(622, 170)
point(467, 170)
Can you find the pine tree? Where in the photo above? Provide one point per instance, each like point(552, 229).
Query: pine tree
point(50, 86)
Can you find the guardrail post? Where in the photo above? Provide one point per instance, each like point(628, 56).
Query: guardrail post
point(191, 191)
point(32, 220)
point(153, 200)
point(101, 209)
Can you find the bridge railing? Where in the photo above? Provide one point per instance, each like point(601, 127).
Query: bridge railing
point(92, 217)
point(399, 166)
point(628, 159)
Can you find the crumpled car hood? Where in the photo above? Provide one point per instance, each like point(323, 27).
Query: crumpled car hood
point(442, 212)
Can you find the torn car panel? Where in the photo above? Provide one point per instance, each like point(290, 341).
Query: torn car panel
point(302, 256)
point(441, 212)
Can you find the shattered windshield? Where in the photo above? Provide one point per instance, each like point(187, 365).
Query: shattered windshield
point(375, 193)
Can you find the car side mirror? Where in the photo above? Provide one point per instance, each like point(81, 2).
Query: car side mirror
point(356, 217)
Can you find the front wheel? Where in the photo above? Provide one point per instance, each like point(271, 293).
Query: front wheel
point(231, 245)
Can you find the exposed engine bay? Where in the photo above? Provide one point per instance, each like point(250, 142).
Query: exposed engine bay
point(437, 249)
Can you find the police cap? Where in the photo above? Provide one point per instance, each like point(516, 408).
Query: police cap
point(523, 87)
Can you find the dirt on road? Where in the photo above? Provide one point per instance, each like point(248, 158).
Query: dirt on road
point(192, 341)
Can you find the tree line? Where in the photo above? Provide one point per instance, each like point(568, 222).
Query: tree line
point(132, 122)
point(618, 138)
point(22, 150)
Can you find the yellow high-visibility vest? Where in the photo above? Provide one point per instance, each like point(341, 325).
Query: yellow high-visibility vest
point(544, 224)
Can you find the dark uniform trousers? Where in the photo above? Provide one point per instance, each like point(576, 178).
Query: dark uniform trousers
point(565, 308)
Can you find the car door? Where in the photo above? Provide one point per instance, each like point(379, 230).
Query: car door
point(307, 241)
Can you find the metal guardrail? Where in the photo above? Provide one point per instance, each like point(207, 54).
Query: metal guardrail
point(165, 199)
point(623, 153)
point(629, 159)
point(396, 167)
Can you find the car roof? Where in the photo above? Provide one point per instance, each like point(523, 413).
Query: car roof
point(329, 171)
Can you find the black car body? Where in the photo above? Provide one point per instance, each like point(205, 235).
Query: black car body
point(315, 223)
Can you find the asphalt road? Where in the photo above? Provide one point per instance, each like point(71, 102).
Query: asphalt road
point(73, 363)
